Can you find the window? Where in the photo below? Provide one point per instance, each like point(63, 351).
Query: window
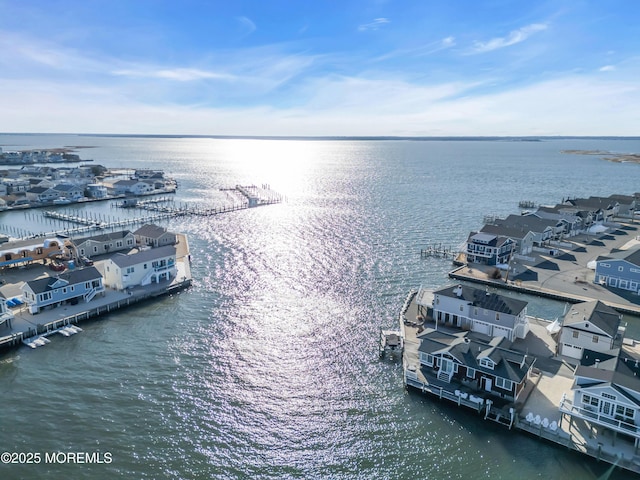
point(606, 265)
point(487, 362)
point(621, 269)
point(609, 396)
point(589, 400)
point(475, 311)
point(575, 334)
point(461, 308)
point(623, 411)
point(95, 249)
point(130, 270)
point(504, 383)
point(471, 372)
point(595, 339)
point(145, 266)
point(497, 316)
point(429, 359)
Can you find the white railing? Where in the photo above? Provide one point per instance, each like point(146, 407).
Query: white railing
point(567, 406)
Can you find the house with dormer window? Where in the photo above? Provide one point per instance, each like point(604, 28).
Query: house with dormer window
point(75, 286)
point(480, 363)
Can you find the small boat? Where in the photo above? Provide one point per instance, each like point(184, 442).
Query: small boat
point(391, 342)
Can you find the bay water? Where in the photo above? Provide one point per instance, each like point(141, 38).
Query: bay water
point(267, 367)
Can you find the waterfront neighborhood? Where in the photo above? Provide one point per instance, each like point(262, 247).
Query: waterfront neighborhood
point(572, 380)
point(38, 184)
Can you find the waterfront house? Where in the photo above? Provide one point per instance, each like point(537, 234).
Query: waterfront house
point(620, 269)
point(130, 187)
point(69, 191)
point(96, 190)
point(148, 266)
point(481, 311)
point(104, 243)
point(627, 204)
point(543, 230)
point(154, 236)
point(590, 325)
point(6, 315)
point(24, 252)
point(42, 194)
point(474, 361)
point(571, 224)
point(606, 391)
point(71, 287)
point(489, 249)
point(602, 209)
point(523, 238)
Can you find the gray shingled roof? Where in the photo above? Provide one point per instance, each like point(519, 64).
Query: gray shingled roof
point(595, 312)
point(74, 277)
point(144, 256)
point(104, 237)
point(631, 256)
point(469, 349)
point(150, 230)
point(483, 299)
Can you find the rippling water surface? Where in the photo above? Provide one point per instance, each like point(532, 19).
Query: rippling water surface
point(267, 367)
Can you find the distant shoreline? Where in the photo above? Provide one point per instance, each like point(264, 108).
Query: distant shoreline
point(512, 138)
point(608, 156)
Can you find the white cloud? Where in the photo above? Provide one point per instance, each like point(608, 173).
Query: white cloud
point(607, 68)
point(448, 42)
point(514, 37)
point(247, 24)
point(177, 74)
point(375, 25)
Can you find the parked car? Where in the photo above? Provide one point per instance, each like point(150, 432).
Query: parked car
point(57, 267)
point(87, 262)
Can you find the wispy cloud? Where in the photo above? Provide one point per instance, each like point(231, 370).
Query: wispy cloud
point(607, 68)
point(514, 37)
point(421, 51)
point(247, 25)
point(177, 74)
point(448, 42)
point(375, 25)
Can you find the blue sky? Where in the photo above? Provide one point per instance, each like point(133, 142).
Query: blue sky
point(354, 67)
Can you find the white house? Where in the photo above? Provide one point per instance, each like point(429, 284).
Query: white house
point(148, 266)
point(606, 391)
point(481, 311)
point(590, 325)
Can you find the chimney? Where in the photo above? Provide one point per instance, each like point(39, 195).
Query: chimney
point(597, 362)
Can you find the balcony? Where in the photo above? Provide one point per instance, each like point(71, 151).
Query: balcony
point(594, 416)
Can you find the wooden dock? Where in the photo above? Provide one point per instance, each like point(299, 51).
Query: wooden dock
point(151, 211)
point(438, 251)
